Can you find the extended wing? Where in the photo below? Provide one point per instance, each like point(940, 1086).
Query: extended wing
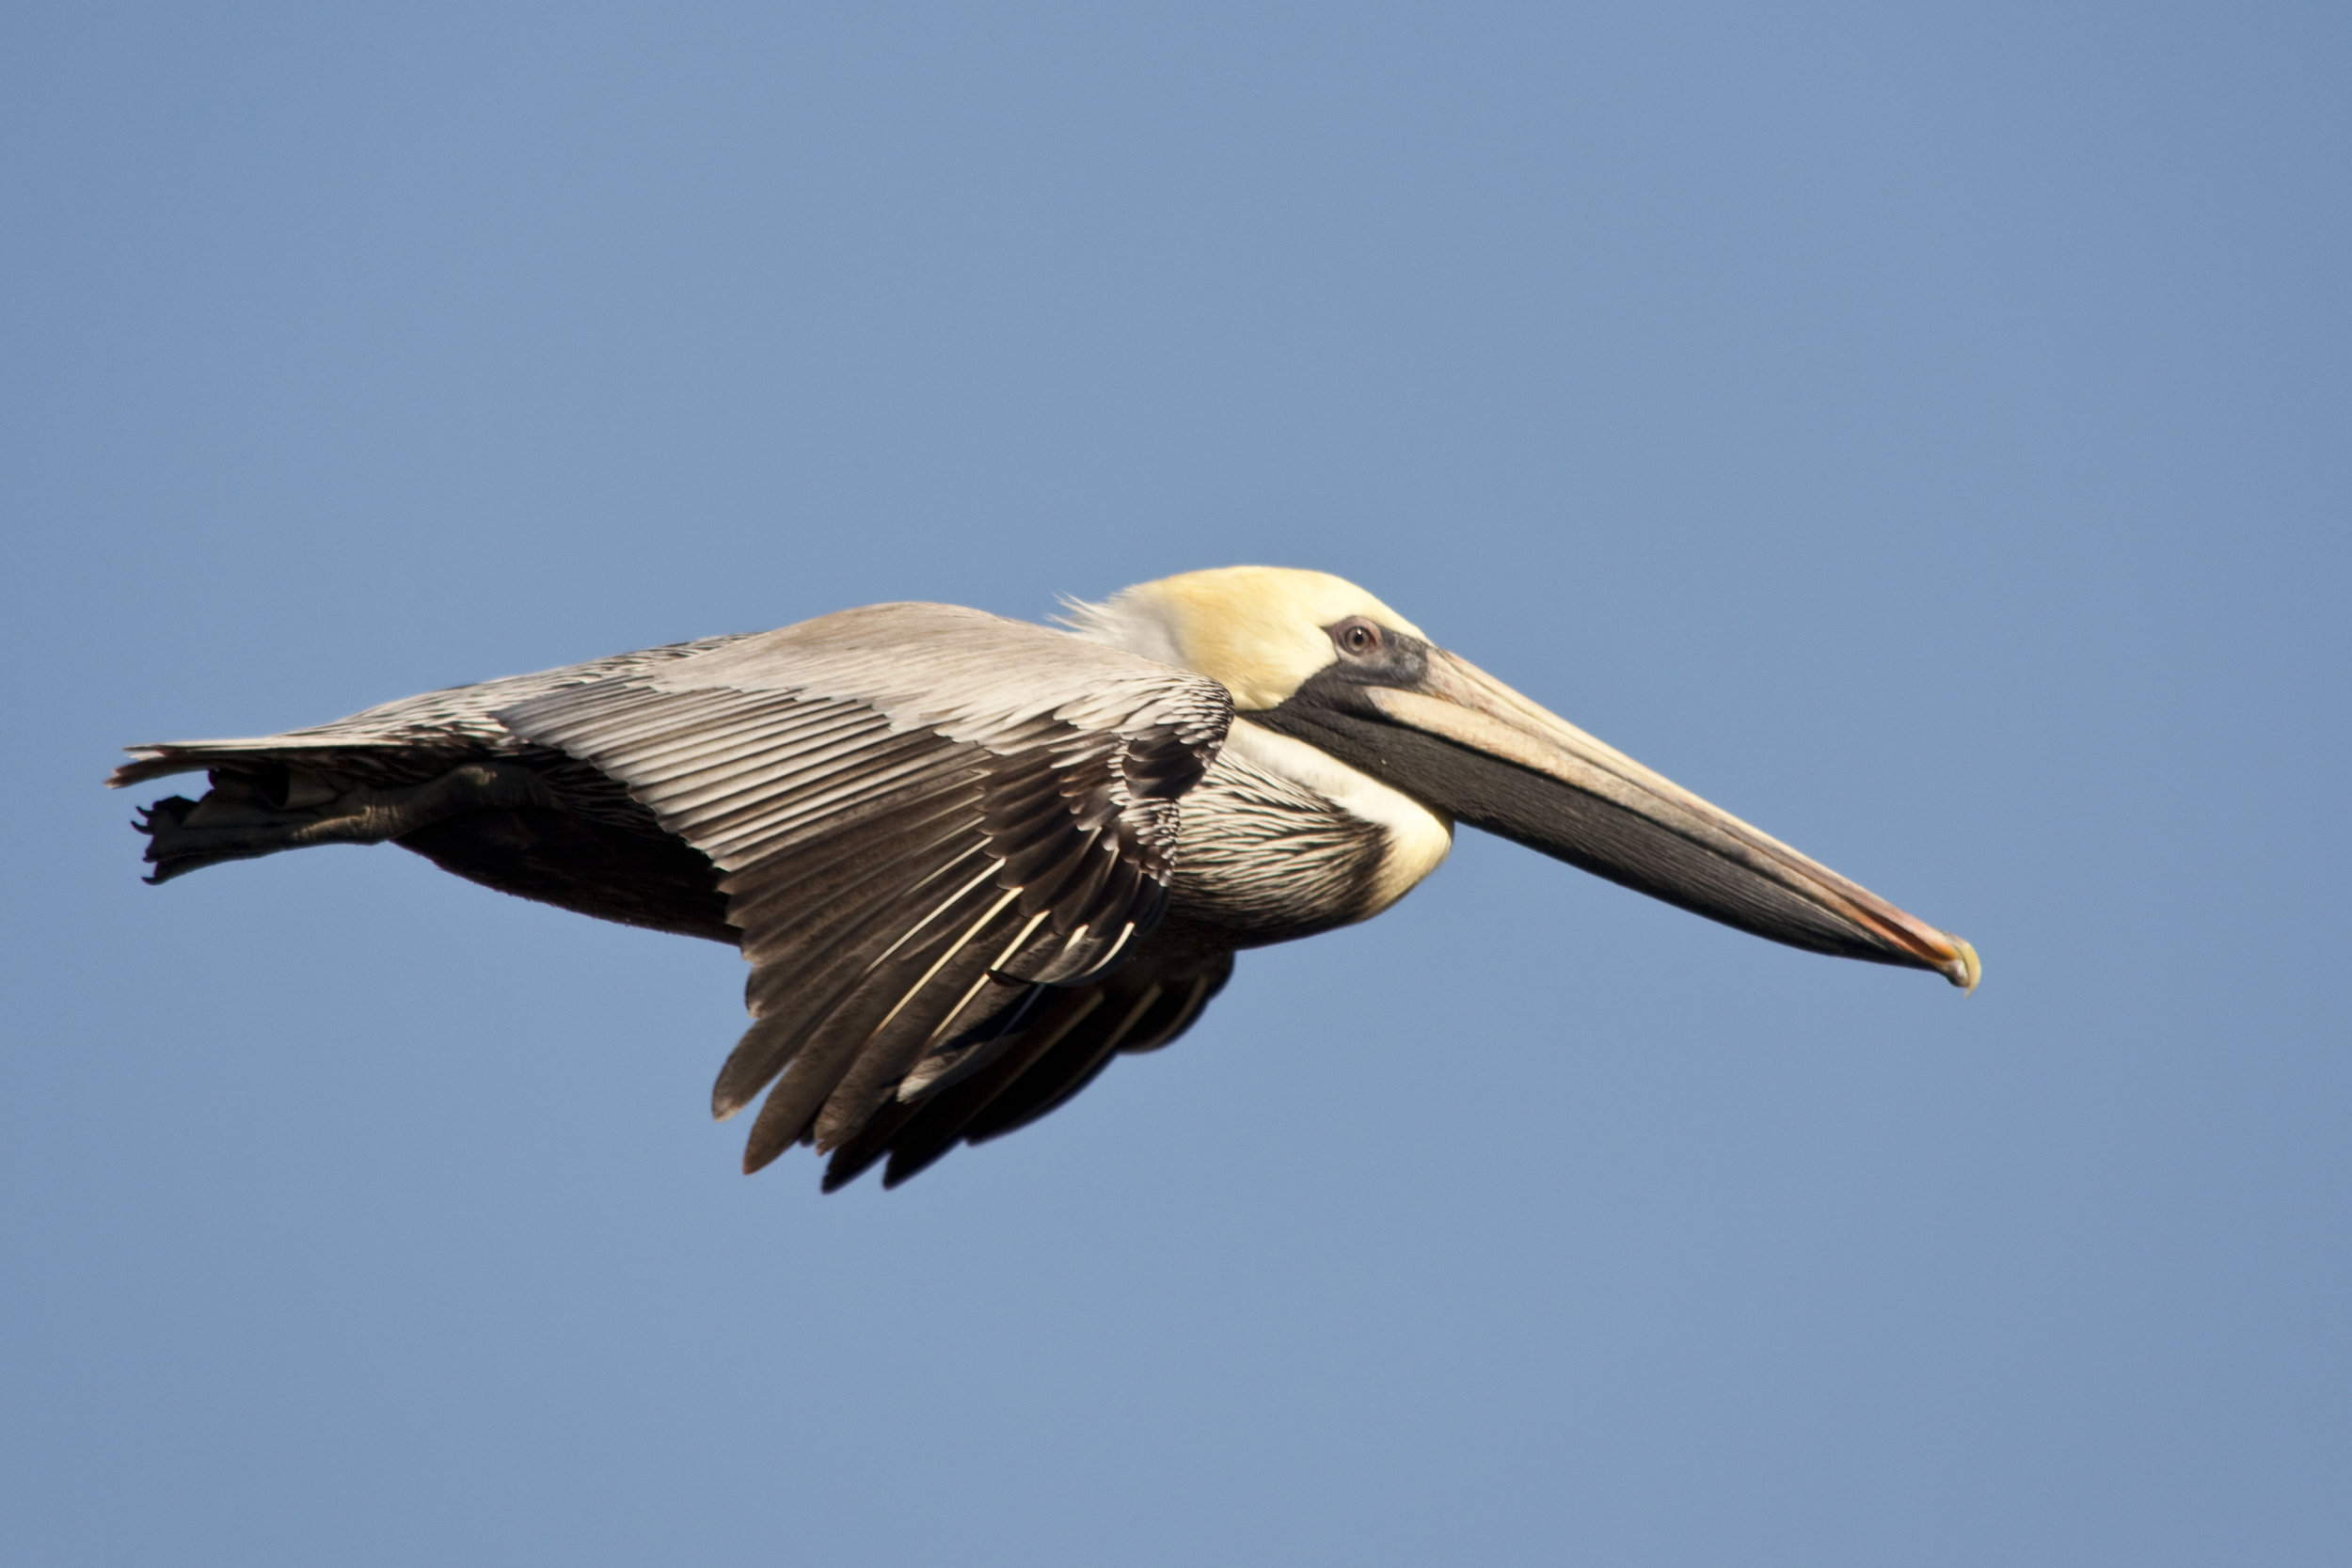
point(926, 819)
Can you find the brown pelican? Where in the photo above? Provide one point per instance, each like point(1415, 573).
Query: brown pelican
point(970, 859)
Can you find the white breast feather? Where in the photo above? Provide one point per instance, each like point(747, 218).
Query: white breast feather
point(1418, 838)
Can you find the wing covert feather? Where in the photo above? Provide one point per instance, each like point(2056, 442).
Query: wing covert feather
point(911, 807)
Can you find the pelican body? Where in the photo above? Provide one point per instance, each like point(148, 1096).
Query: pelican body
point(970, 860)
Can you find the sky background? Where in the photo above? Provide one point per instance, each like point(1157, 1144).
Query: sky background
point(1926, 431)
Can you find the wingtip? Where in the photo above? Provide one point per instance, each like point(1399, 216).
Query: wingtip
point(905, 1165)
point(839, 1175)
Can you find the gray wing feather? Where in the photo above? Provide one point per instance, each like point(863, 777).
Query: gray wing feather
point(910, 805)
point(410, 740)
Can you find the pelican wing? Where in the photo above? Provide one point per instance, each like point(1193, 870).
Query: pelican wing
point(407, 741)
point(920, 813)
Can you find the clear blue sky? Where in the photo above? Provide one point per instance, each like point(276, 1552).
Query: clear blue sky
point(1924, 430)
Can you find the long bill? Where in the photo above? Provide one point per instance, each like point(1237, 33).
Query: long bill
point(1463, 740)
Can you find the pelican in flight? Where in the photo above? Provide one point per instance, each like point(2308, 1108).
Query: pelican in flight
point(970, 860)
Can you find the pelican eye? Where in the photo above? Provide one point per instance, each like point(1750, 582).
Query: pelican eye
point(1357, 637)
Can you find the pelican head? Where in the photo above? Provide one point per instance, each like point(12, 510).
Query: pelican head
point(1318, 658)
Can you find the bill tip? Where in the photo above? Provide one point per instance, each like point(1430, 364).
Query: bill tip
point(1964, 970)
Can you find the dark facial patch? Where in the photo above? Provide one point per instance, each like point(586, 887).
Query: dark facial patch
point(1369, 655)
